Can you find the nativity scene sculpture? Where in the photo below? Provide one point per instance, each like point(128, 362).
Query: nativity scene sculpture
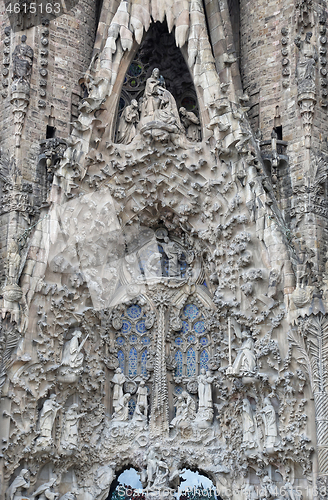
point(156, 117)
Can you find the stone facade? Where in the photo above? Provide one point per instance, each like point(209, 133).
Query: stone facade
point(163, 229)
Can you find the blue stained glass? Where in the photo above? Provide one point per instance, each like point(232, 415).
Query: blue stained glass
point(185, 327)
point(203, 341)
point(133, 339)
point(133, 361)
point(134, 312)
point(140, 326)
point(199, 327)
point(146, 341)
point(178, 341)
point(144, 363)
point(191, 311)
point(205, 284)
point(179, 360)
point(191, 363)
point(120, 357)
point(126, 326)
point(132, 406)
point(191, 338)
point(120, 340)
point(178, 389)
point(203, 360)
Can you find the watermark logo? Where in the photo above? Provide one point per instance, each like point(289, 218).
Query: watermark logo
point(24, 14)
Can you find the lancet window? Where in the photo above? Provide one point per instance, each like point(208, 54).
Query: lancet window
point(133, 340)
point(191, 343)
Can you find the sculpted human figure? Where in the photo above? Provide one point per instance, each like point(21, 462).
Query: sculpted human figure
point(72, 355)
point(151, 465)
point(173, 253)
point(205, 389)
point(118, 381)
point(270, 424)
point(22, 481)
point(185, 410)
point(44, 492)
point(245, 361)
point(142, 397)
point(191, 123)
point(249, 426)
point(305, 265)
point(14, 259)
point(70, 431)
point(122, 408)
point(305, 70)
point(22, 61)
point(158, 105)
point(127, 123)
point(46, 421)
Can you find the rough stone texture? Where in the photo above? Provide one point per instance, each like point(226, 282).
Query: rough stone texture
point(163, 229)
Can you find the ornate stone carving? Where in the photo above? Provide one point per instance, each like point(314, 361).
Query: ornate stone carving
point(72, 358)
point(20, 91)
point(22, 481)
point(46, 423)
point(127, 123)
point(70, 429)
point(305, 74)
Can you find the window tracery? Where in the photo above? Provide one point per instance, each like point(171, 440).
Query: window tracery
point(132, 340)
point(191, 343)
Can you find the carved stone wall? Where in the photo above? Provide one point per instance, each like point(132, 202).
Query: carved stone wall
point(164, 295)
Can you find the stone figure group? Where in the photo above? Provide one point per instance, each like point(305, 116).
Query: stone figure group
point(250, 428)
point(156, 115)
point(121, 400)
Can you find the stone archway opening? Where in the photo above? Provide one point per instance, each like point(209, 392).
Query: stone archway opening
point(127, 485)
point(195, 485)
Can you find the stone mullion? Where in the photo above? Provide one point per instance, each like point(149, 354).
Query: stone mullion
point(159, 421)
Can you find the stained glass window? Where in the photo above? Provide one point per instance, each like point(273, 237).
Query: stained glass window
point(140, 326)
point(178, 389)
point(199, 327)
point(178, 341)
point(144, 363)
point(179, 360)
point(132, 406)
point(120, 356)
point(133, 362)
point(191, 363)
point(133, 339)
point(134, 311)
point(185, 327)
point(145, 340)
point(120, 340)
point(191, 338)
point(203, 341)
point(126, 326)
point(191, 311)
point(203, 360)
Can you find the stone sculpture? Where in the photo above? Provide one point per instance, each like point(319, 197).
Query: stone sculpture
point(118, 381)
point(44, 492)
point(159, 116)
point(72, 358)
point(14, 259)
point(142, 400)
point(22, 481)
point(127, 123)
point(190, 123)
point(249, 426)
point(70, 429)
point(22, 61)
point(185, 411)
point(46, 422)
point(269, 419)
point(121, 412)
point(245, 362)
